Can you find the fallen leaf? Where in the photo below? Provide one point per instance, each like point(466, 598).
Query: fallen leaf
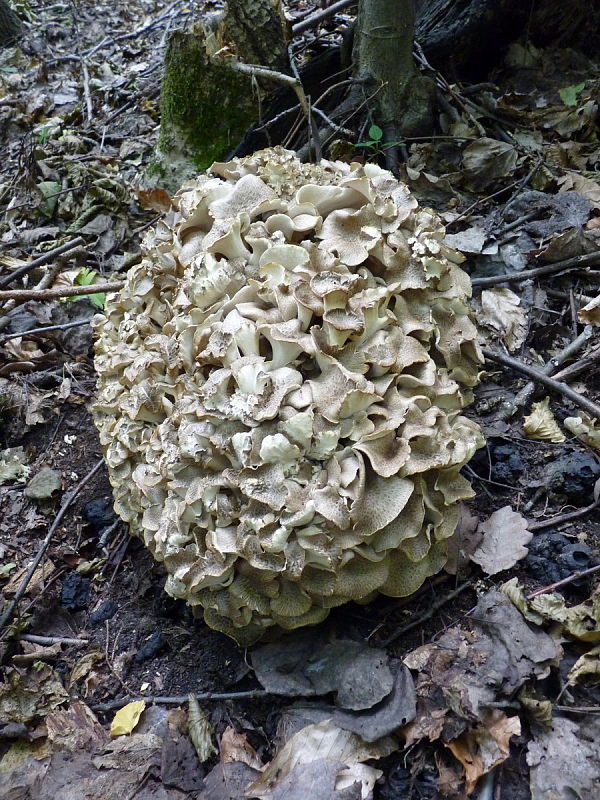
point(154, 199)
point(43, 484)
point(26, 694)
point(323, 741)
point(505, 537)
point(541, 425)
point(481, 749)
point(590, 313)
point(236, 747)
point(565, 761)
point(127, 718)
point(584, 428)
point(306, 665)
point(487, 159)
point(501, 312)
point(587, 666)
point(200, 730)
point(12, 465)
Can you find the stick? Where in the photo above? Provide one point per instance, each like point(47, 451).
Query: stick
point(60, 291)
point(50, 640)
point(548, 269)
point(68, 500)
point(592, 408)
point(180, 699)
point(41, 331)
point(86, 91)
point(584, 573)
point(43, 259)
point(562, 518)
point(427, 615)
point(311, 21)
point(523, 396)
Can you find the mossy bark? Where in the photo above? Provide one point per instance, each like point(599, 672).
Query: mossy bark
point(385, 70)
point(207, 107)
point(10, 25)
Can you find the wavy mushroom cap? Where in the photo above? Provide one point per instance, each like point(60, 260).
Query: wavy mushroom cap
point(279, 392)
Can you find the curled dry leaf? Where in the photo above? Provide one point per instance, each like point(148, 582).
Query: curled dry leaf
point(200, 730)
point(590, 313)
point(541, 424)
point(585, 429)
point(280, 388)
point(127, 718)
point(501, 313)
point(505, 536)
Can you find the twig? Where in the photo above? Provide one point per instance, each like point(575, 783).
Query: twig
point(560, 519)
point(67, 502)
point(592, 408)
point(41, 260)
point(86, 90)
point(60, 291)
point(42, 331)
point(545, 589)
point(522, 397)
point(427, 615)
point(270, 74)
point(50, 640)
point(311, 21)
point(180, 699)
point(337, 128)
point(579, 366)
point(548, 269)
point(579, 709)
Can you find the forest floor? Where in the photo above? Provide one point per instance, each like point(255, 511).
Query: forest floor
point(506, 664)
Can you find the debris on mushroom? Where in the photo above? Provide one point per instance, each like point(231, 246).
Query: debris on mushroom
point(280, 391)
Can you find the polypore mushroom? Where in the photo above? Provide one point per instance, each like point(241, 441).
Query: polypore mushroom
point(279, 391)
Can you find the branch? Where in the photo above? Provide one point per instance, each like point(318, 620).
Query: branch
point(180, 699)
point(68, 500)
point(43, 259)
point(60, 291)
point(548, 269)
point(560, 388)
point(311, 21)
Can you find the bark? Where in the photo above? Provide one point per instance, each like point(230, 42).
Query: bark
point(10, 25)
point(385, 69)
point(206, 107)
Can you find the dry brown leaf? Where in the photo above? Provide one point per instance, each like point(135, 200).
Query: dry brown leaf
point(584, 428)
point(235, 746)
point(464, 541)
point(505, 537)
point(541, 425)
point(154, 199)
point(502, 313)
point(587, 666)
point(483, 748)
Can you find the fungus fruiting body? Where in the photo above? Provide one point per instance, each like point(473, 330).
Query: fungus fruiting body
point(280, 391)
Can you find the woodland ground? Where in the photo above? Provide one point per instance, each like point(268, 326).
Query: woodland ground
point(79, 115)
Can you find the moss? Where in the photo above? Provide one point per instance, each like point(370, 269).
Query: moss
point(205, 108)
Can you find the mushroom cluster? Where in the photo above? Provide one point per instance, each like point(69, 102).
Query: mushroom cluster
point(280, 387)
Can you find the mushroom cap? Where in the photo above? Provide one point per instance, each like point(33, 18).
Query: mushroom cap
point(280, 384)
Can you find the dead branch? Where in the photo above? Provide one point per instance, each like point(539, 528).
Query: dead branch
point(545, 589)
point(41, 260)
point(311, 21)
point(179, 699)
point(548, 269)
point(60, 291)
point(560, 388)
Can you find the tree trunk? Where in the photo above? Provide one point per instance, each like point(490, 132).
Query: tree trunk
point(385, 69)
point(10, 24)
point(206, 107)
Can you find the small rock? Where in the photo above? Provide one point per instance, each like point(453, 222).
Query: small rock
point(507, 464)
point(151, 648)
point(99, 513)
point(105, 611)
point(552, 557)
point(43, 484)
point(572, 477)
point(75, 594)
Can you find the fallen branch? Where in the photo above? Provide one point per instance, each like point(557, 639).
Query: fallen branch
point(427, 615)
point(311, 21)
point(548, 269)
point(551, 587)
point(522, 397)
point(560, 388)
point(179, 699)
point(41, 260)
point(60, 291)
point(560, 519)
point(42, 331)
point(50, 640)
point(67, 502)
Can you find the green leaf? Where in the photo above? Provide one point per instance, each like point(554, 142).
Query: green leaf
point(86, 277)
point(49, 191)
point(569, 94)
point(97, 299)
point(365, 144)
point(376, 133)
point(6, 569)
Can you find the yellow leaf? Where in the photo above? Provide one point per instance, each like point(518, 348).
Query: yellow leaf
point(127, 718)
point(541, 425)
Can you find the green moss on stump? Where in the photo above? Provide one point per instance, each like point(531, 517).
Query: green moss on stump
point(205, 108)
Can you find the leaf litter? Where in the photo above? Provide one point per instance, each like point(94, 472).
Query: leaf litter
point(475, 687)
